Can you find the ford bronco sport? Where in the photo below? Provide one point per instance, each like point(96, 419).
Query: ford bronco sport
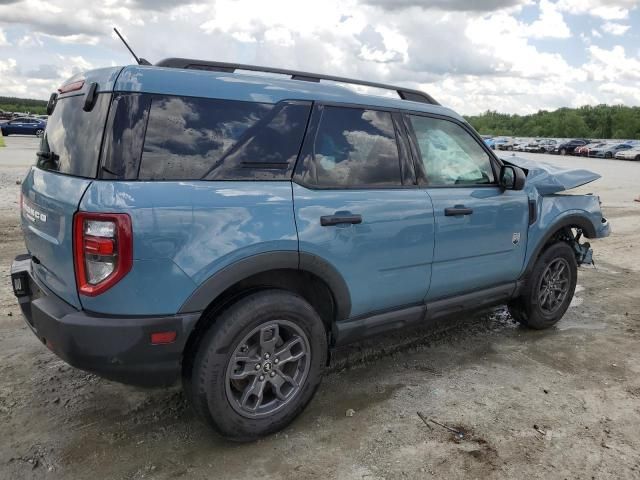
point(198, 220)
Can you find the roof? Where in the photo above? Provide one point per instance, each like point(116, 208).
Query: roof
point(255, 88)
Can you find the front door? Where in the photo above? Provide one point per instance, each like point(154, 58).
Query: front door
point(481, 229)
point(357, 207)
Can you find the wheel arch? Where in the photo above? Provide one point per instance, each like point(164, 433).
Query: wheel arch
point(553, 232)
point(307, 275)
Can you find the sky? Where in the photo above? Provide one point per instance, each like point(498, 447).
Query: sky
point(512, 56)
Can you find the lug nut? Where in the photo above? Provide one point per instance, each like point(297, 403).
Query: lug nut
point(266, 356)
point(272, 374)
point(258, 367)
point(261, 377)
point(276, 361)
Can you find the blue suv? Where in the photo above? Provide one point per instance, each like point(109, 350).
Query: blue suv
point(195, 220)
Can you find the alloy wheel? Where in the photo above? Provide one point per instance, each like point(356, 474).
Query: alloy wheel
point(554, 286)
point(268, 368)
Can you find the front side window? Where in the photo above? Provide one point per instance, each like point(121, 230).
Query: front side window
point(449, 154)
point(353, 147)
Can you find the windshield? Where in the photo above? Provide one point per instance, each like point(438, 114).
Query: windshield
point(71, 142)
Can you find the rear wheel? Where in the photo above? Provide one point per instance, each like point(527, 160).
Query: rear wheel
point(39, 132)
point(549, 289)
point(608, 155)
point(258, 365)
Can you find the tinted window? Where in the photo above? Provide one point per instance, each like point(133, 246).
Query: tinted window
point(191, 138)
point(353, 147)
point(124, 136)
point(71, 142)
point(449, 154)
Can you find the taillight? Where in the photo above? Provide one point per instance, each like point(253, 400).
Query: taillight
point(103, 250)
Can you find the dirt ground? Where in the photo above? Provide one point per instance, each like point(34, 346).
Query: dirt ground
point(561, 403)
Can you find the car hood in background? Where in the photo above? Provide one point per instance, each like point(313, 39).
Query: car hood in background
point(547, 178)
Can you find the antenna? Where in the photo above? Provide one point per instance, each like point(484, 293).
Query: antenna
point(140, 61)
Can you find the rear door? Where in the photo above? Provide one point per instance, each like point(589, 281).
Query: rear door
point(481, 230)
point(357, 206)
point(67, 162)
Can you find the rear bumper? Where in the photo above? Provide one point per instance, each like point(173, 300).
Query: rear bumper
point(115, 347)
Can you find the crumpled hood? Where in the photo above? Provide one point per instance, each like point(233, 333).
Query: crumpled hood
point(547, 178)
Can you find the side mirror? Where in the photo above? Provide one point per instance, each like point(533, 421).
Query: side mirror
point(512, 177)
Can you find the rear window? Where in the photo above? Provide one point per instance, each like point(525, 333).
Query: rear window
point(71, 142)
point(207, 139)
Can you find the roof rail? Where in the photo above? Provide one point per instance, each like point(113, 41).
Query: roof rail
point(191, 64)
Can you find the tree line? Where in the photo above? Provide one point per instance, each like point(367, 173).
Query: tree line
point(601, 121)
point(14, 104)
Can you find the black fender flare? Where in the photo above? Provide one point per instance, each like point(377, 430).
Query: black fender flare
point(215, 285)
point(573, 220)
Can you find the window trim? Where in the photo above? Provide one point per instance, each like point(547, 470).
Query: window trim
point(422, 176)
point(306, 152)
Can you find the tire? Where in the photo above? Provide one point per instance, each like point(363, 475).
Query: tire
point(563, 151)
point(241, 332)
point(510, 149)
point(637, 158)
point(39, 132)
point(608, 155)
point(528, 308)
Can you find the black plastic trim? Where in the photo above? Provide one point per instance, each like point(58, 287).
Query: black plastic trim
point(213, 287)
point(572, 220)
point(364, 326)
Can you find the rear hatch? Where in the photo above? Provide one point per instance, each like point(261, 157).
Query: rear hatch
point(66, 164)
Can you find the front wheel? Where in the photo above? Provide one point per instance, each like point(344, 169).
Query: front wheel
point(258, 365)
point(563, 151)
point(608, 155)
point(549, 289)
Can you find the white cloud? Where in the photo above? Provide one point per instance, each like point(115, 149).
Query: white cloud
point(471, 55)
point(3, 39)
point(605, 9)
point(615, 28)
point(551, 23)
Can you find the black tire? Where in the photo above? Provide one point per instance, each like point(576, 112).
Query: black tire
point(207, 380)
point(510, 148)
point(527, 309)
point(608, 155)
point(563, 151)
point(637, 158)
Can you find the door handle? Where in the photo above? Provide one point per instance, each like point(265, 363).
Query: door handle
point(337, 219)
point(461, 210)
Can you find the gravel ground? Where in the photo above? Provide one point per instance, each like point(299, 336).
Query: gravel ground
point(562, 403)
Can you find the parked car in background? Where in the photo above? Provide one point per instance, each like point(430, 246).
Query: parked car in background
point(608, 150)
point(584, 150)
point(510, 144)
point(24, 126)
point(541, 145)
point(5, 115)
point(568, 148)
point(629, 154)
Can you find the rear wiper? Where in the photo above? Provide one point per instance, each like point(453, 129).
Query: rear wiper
point(46, 157)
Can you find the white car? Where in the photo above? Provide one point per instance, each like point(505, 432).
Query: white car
point(631, 154)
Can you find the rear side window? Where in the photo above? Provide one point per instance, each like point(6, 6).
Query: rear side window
point(353, 147)
point(71, 142)
point(194, 139)
point(449, 154)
